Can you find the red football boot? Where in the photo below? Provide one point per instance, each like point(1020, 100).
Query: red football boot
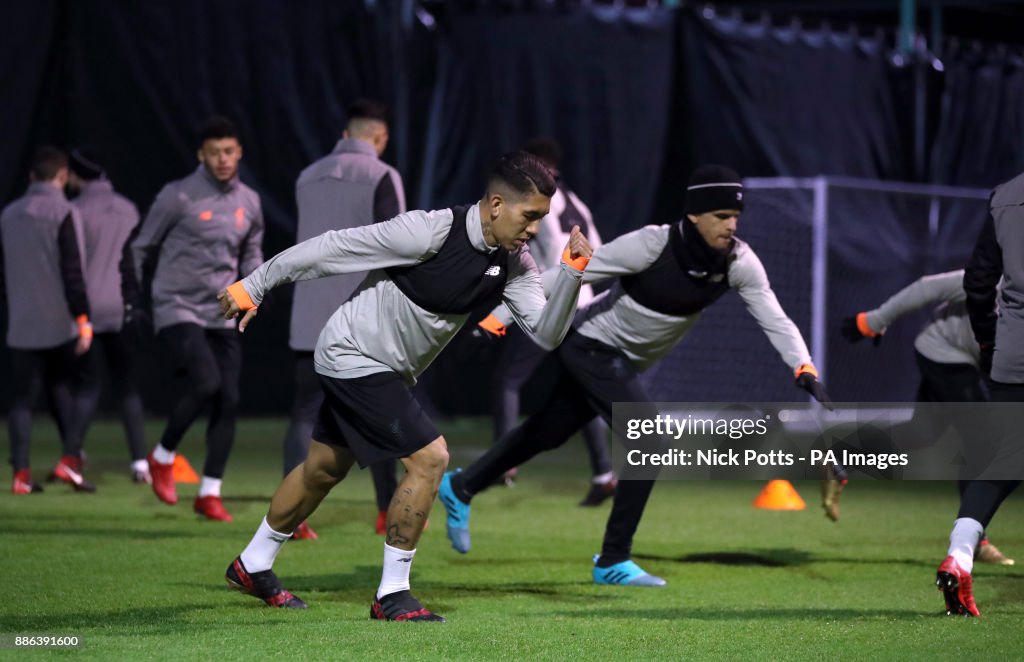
point(23, 483)
point(163, 480)
point(69, 470)
point(955, 585)
point(304, 532)
point(211, 507)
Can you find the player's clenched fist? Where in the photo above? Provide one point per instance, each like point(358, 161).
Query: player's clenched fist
point(578, 246)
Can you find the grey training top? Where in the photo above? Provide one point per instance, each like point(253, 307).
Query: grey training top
point(107, 221)
point(379, 328)
point(37, 301)
point(948, 338)
point(347, 188)
point(644, 335)
point(203, 235)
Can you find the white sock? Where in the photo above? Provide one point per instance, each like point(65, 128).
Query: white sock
point(962, 541)
point(209, 487)
point(263, 548)
point(601, 479)
point(397, 564)
point(162, 455)
point(140, 465)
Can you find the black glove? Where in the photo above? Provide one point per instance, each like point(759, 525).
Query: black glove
point(851, 330)
point(988, 350)
point(481, 340)
point(808, 382)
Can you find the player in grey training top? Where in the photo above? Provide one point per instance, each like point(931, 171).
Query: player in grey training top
point(200, 235)
point(108, 223)
point(348, 188)
point(994, 284)
point(518, 357)
point(48, 324)
point(947, 356)
point(666, 275)
point(428, 270)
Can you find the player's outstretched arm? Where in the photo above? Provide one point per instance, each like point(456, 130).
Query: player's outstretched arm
point(547, 322)
point(748, 276)
point(404, 240)
point(926, 291)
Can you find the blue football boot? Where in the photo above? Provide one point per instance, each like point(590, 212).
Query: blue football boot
point(458, 514)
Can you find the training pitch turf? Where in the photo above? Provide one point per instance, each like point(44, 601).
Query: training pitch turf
point(137, 579)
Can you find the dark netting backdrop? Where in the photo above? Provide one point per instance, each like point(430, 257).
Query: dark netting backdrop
point(638, 97)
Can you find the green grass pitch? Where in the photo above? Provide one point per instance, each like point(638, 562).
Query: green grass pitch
point(138, 579)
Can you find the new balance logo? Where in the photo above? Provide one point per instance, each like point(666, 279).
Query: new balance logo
point(493, 271)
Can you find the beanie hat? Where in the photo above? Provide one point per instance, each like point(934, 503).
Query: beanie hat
point(713, 187)
point(84, 162)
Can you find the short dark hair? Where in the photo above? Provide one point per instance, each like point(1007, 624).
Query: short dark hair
point(367, 109)
point(523, 173)
point(546, 149)
point(47, 161)
point(217, 127)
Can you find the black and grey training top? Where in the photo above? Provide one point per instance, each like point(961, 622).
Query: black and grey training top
point(664, 286)
point(380, 328)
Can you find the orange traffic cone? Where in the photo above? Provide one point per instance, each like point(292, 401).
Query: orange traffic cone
point(779, 495)
point(183, 471)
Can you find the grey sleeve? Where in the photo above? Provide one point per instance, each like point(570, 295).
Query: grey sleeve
point(165, 212)
point(251, 255)
point(922, 292)
point(545, 322)
point(748, 276)
point(402, 241)
point(629, 254)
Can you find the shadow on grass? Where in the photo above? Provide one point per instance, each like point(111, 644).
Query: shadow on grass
point(249, 498)
point(702, 613)
point(793, 558)
point(121, 622)
point(769, 558)
point(362, 578)
point(112, 532)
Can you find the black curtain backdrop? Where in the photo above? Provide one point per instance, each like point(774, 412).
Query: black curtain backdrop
point(638, 97)
point(980, 135)
point(600, 82)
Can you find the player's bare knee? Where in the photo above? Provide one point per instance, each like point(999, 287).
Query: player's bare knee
point(321, 477)
point(431, 461)
point(323, 469)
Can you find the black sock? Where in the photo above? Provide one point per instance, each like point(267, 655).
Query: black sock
point(606, 561)
point(460, 490)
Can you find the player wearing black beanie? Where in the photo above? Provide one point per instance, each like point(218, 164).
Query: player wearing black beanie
point(666, 275)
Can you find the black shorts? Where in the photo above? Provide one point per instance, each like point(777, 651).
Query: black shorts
point(375, 417)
